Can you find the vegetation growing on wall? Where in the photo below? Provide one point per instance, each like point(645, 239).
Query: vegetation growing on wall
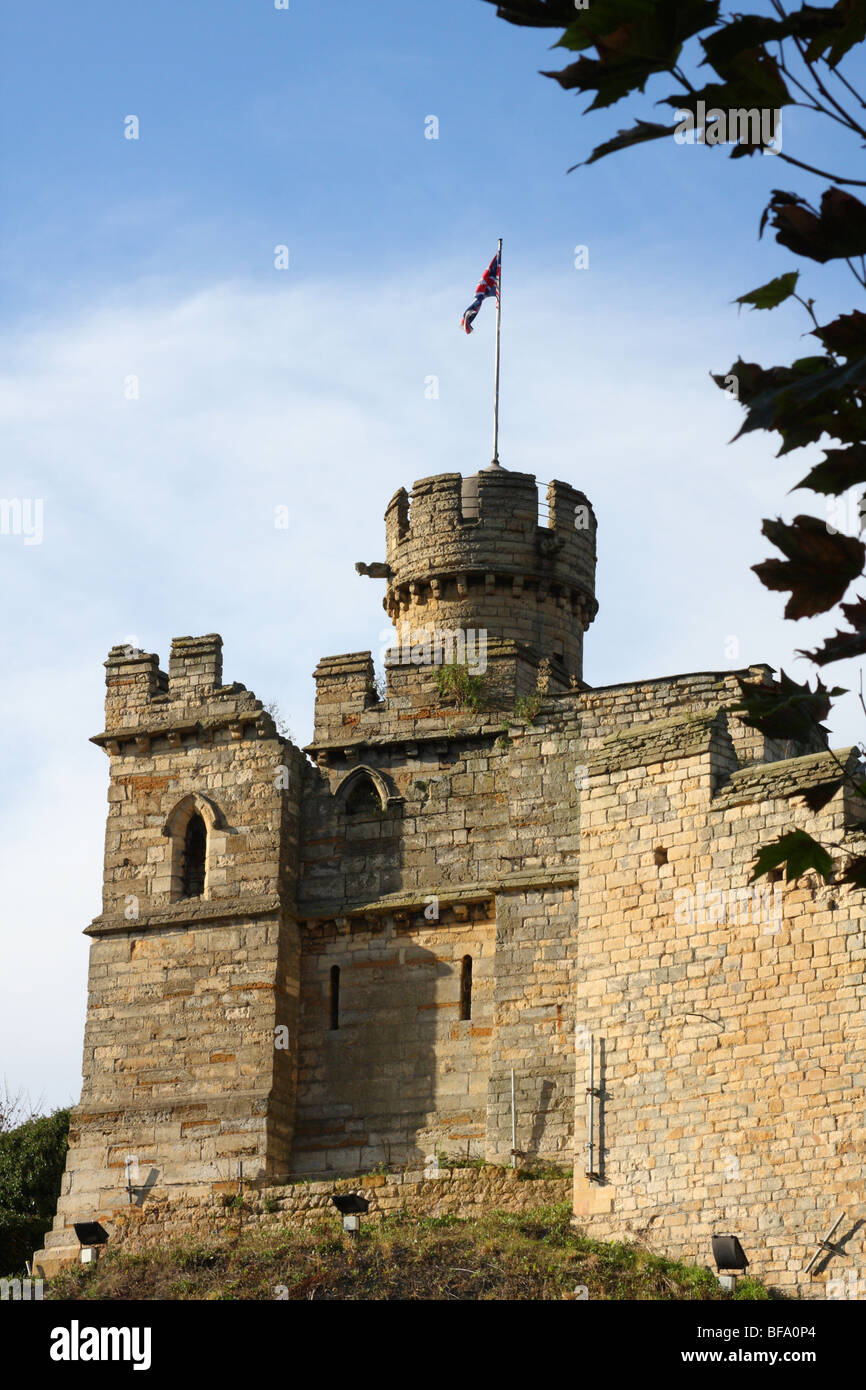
point(456, 683)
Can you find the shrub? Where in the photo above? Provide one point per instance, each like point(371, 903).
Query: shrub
point(19, 1237)
point(31, 1166)
point(455, 682)
point(527, 707)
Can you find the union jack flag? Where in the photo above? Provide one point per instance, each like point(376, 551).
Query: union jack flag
point(487, 287)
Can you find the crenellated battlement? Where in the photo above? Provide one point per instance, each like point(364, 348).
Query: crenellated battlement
point(478, 552)
point(491, 520)
point(196, 664)
point(139, 695)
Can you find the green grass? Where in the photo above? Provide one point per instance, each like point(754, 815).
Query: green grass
point(537, 1255)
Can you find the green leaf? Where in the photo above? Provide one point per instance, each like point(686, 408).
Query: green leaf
point(821, 564)
point(837, 232)
point(633, 38)
point(611, 82)
point(798, 852)
point(773, 293)
point(845, 644)
point(840, 470)
point(744, 33)
point(636, 135)
point(848, 28)
point(758, 84)
point(802, 401)
point(846, 335)
point(537, 14)
point(784, 710)
point(602, 19)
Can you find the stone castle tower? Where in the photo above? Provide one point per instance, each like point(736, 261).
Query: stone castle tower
point(316, 962)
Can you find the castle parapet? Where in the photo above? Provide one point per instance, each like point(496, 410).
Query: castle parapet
point(139, 696)
point(132, 679)
point(196, 665)
point(474, 553)
point(345, 685)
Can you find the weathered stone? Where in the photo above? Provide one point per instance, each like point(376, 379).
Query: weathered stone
point(392, 936)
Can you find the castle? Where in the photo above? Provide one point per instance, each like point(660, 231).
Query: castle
point(489, 912)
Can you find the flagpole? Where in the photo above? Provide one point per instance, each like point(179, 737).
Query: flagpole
point(495, 463)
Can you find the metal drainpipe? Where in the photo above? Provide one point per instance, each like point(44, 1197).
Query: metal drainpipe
point(590, 1111)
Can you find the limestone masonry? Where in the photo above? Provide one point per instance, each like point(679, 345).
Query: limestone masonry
point(318, 963)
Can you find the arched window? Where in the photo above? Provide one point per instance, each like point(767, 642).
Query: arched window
point(196, 831)
point(364, 789)
point(194, 857)
point(466, 987)
point(363, 799)
point(335, 997)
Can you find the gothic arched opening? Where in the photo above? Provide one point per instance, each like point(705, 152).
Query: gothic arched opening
point(363, 799)
point(194, 857)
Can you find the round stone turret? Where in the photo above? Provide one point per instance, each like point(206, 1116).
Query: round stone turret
point(472, 553)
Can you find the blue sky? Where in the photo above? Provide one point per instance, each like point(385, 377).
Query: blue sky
point(153, 259)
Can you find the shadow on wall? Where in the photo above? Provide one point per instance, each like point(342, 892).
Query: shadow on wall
point(367, 1091)
point(545, 1105)
point(395, 1010)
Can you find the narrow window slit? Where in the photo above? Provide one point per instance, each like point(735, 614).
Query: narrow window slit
point(335, 997)
point(466, 988)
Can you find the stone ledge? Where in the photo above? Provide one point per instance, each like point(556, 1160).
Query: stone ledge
point(786, 778)
point(759, 669)
point(182, 913)
point(111, 739)
point(553, 878)
point(657, 741)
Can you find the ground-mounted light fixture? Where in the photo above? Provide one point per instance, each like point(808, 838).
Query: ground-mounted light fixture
point(351, 1206)
point(90, 1236)
point(730, 1257)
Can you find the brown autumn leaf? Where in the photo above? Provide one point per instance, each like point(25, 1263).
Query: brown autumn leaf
point(819, 567)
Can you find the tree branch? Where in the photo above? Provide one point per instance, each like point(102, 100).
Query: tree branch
point(853, 90)
point(822, 173)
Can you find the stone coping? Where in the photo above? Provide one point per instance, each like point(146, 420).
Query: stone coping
point(397, 736)
point(254, 1102)
point(759, 668)
point(558, 877)
point(132, 733)
point(657, 741)
point(785, 778)
point(190, 912)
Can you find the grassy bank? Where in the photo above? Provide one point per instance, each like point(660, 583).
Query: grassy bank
point(537, 1255)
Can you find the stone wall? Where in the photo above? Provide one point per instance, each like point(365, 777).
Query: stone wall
point(729, 1023)
point(479, 828)
point(402, 1076)
point(181, 1075)
point(465, 1192)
